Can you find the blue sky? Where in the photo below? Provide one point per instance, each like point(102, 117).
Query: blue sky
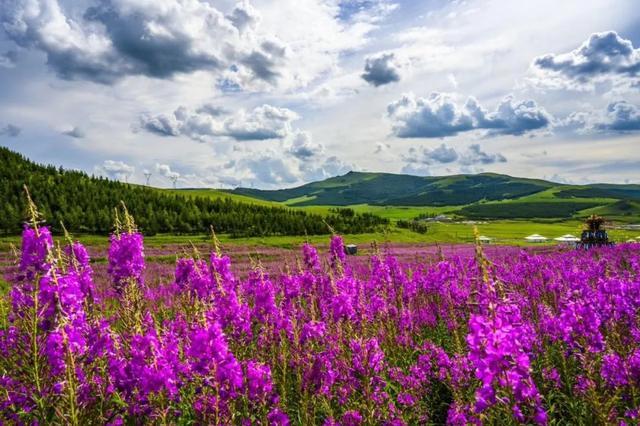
point(277, 93)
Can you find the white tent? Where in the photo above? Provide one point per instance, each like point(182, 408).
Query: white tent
point(536, 238)
point(484, 239)
point(568, 238)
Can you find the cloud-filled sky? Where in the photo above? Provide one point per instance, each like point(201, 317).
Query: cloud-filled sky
point(276, 93)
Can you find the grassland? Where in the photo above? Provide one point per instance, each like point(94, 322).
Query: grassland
point(503, 232)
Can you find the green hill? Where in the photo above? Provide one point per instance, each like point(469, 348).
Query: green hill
point(85, 205)
point(480, 196)
point(402, 190)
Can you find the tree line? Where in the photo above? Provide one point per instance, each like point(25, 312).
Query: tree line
point(85, 204)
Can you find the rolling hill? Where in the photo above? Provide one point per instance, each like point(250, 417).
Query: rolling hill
point(85, 204)
point(480, 196)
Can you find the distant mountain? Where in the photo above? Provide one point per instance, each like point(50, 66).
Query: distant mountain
point(403, 190)
point(484, 195)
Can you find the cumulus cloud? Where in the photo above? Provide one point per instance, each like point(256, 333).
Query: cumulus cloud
point(246, 48)
point(331, 166)
point(618, 117)
point(117, 38)
point(381, 69)
point(416, 169)
point(303, 147)
point(10, 130)
point(261, 123)
point(440, 116)
point(118, 170)
point(165, 170)
point(270, 169)
point(74, 132)
point(444, 154)
point(474, 155)
point(603, 56)
point(441, 154)
point(381, 147)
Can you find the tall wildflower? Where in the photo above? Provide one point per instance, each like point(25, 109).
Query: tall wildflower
point(336, 251)
point(126, 255)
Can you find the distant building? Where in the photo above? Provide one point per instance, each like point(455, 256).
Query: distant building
point(536, 238)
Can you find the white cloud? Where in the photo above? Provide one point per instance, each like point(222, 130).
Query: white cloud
point(261, 123)
point(604, 56)
point(439, 116)
point(118, 170)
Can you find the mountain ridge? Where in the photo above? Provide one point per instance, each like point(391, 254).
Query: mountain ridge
point(402, 189)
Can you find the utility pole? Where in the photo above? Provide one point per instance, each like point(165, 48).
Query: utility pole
point(147, 176)
point(174, 179)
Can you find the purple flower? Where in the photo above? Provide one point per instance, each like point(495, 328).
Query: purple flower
point(278, 418)
point(336, 250)
point(193, 277)
point(126, 259)
point(36, 245)
point(258, 379)
point(352, 418)
point(310, 257)
point(613, 371)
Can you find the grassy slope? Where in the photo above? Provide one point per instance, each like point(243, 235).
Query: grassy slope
point(549, 200)
point(504, 232)
point(216, 193)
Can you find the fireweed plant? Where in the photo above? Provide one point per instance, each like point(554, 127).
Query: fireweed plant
point(548, 338)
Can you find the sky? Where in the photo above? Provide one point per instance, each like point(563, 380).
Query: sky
point(277, 93)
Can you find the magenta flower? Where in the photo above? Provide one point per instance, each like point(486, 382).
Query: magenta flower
point(126, 259)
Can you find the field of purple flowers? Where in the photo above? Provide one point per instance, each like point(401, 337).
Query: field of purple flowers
point(504, 336)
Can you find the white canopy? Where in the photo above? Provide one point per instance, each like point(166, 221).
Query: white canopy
point(568, 238)
point(483, 238)
point(536, 237)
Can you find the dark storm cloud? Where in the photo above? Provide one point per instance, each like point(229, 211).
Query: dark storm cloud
point(380, 70)
point(439, 116)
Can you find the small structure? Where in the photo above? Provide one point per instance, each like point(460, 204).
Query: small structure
point(484, 240)
point(536, 238)
point(351, 249)
point(568, 238)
